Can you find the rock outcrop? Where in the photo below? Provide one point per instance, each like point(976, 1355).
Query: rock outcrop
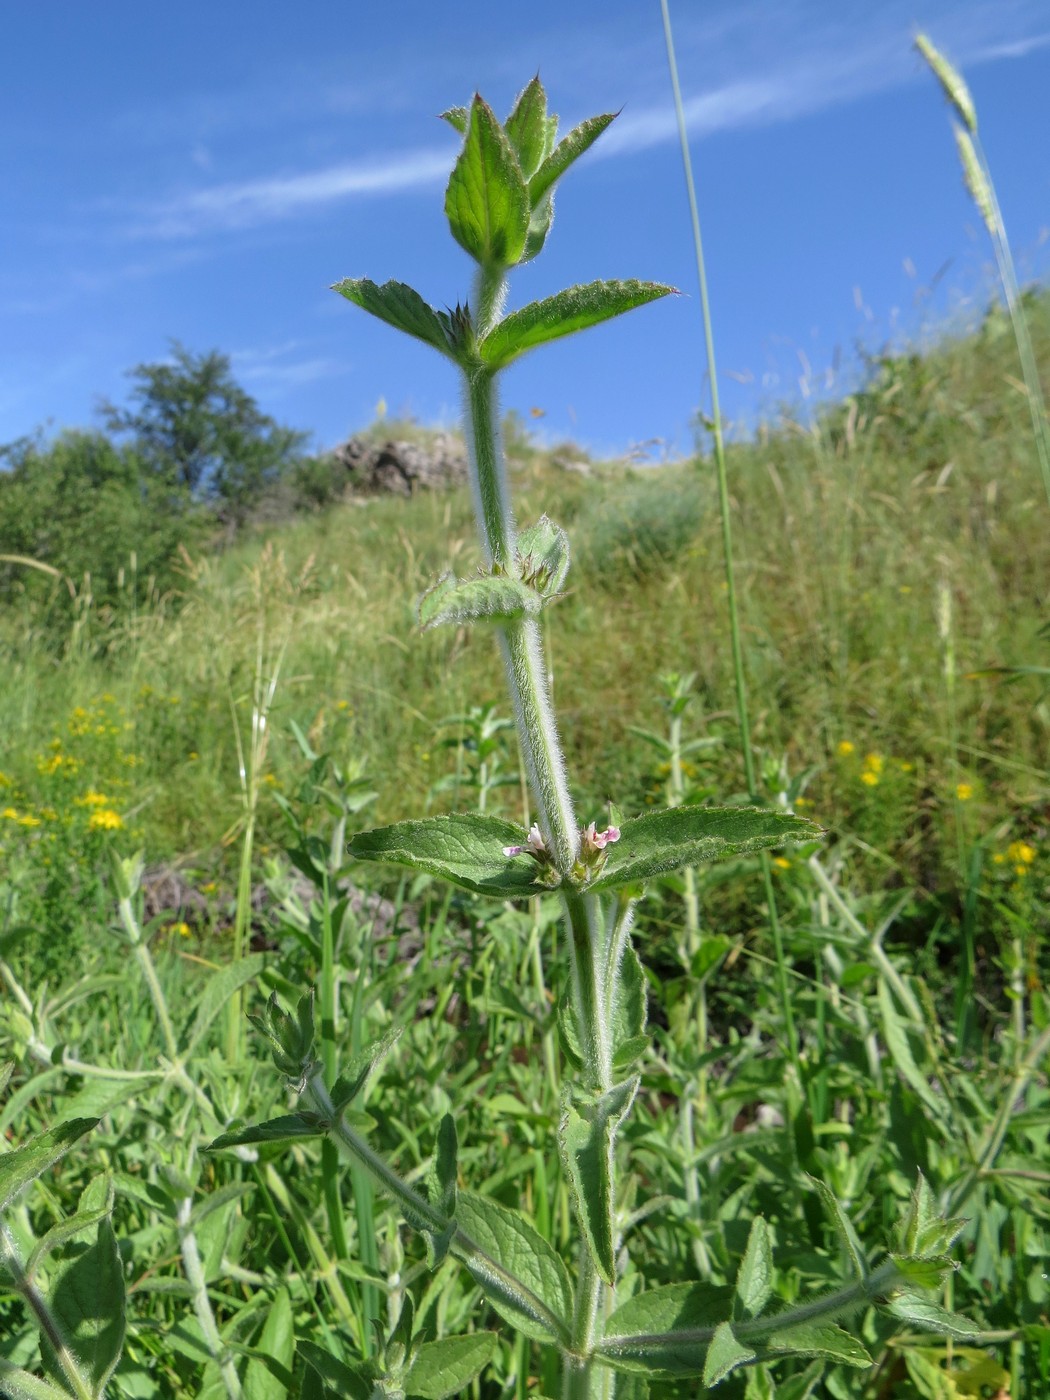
point(401, 468)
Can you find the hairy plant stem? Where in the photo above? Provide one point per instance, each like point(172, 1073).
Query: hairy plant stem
point(424, 1216)
point(596, 947)
point(49, 1325)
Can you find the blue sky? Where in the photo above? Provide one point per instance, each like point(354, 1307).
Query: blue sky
point(205, 171)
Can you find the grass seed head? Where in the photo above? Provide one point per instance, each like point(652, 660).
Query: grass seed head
point(955, 89)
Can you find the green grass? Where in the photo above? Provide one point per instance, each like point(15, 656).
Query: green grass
point(845, 529)
point(849, 535)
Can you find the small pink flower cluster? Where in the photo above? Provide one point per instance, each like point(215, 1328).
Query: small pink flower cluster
point(592, 848)
point(534, 846)
point(593, 842)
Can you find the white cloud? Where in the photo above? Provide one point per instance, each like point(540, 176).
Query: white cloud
point(248, 203)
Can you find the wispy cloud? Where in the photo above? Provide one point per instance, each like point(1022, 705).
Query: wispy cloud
point(773, 70)
point(276, 368)
point(248, 203)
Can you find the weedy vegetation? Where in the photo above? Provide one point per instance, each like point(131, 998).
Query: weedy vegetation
point(696, 1041)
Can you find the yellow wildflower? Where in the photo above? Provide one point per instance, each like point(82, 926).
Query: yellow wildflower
point(869, 778)
point(874, 762)
point(92, 799)
point(28, 820)
point(182, 928)
point(781, 863)
point(10, 814)
point(1021, 853)
point(105, 819)
point(845, 748)
point(964, 791)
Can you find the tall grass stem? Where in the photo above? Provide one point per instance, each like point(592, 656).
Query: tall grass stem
point(739, 679)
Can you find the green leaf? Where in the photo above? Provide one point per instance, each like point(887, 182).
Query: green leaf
point(895, 1032)
point(269, 1373)
point(850, 1244)
point(399, 306)
point(568, 150)
point(290, 1127)
point(448, 1366)
point(754, 1279)
point(361, 1068)
point(457, 117)
point(930, 1316)
point(660, 841)
point(21, 1385)
point(486, 202)
point(665, 1332)
point(86, 1299)
point(489, 598)
point(818, 1339)
point(6, 1070)
point(442, 1192)
point(24, 1164)
point(925, 1233)
point(631, 1010)
point(509, 1246)
point(543, 556)
point(540, 221)
point(922, 1273)
point(350, 1381)
point(527, 128)
point(724, 1354)
point(216, 995)
point(587, 1138)
point(574, 309)
point(465, 848)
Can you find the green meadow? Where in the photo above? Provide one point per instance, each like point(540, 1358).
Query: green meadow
point(364, 1032)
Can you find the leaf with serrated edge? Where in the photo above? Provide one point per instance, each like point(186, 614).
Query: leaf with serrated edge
point(930, 1316)
point(817, 1339)
point(457, 117)
point(568, 150)
point(510, 1245)
point(486, 202)
point(87, 1300)
point(587, 1141)
point(466, 849)
point(851, 1245)
point(448, 1366)
point(361, 1068)
point(543, 550)
point(754, 1279)
point(21, 1385)
point(399, 306)
point(724, 1354)
point(290, 1127)
point(24, 1164)
point(526, 128)
point(661, 841)
point(491, 598)
point(574, 309)
point(665, 1332)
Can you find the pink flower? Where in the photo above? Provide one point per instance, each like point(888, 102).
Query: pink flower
point(593, 842)
point(533, 846)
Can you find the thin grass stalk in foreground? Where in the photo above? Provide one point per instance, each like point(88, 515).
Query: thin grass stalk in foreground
point(739, 679)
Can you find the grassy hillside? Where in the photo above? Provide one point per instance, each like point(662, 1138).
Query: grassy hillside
point(883, 1015)
point(887, 555)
